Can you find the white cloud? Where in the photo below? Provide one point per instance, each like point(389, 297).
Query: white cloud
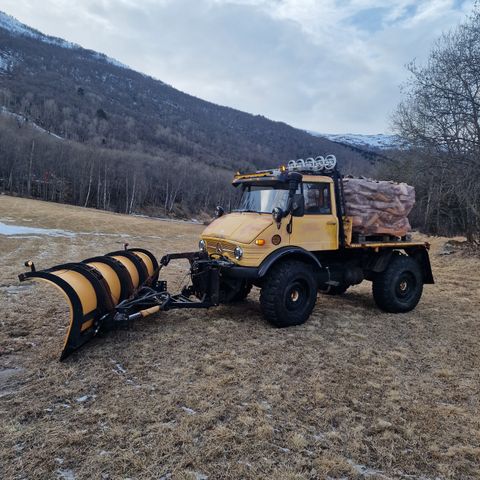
point(325, 65)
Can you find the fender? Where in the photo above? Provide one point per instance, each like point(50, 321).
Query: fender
point(292, 252)
point(420, 254)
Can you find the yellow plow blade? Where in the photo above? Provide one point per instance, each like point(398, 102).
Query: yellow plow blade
point(95, 286)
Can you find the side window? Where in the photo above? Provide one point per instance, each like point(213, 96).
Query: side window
point(317, 198)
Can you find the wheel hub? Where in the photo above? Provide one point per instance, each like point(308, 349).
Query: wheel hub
point(294, 295)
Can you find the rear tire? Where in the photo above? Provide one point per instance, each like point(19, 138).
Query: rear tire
point(399, 287)
point(288, 294)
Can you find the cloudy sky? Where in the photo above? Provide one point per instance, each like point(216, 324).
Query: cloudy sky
point(331, 66)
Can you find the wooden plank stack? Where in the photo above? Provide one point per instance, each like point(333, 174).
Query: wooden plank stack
point(378, 207)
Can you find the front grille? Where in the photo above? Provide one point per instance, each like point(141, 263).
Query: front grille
point(221, 247)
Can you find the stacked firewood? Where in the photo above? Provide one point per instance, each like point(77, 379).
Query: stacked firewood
point(378, 207)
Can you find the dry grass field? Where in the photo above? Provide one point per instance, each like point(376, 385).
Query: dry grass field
point(219, 394)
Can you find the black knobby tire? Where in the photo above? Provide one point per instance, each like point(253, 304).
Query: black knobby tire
point(233, 292)
point(288, 293)
point(336, 290)
point(399, 287)
point(243, 293)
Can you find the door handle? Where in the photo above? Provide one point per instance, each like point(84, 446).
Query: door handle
point(331, 222)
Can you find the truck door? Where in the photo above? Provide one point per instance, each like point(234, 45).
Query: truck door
point(318, 228)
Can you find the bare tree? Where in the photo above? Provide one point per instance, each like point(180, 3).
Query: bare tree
point(440, 119)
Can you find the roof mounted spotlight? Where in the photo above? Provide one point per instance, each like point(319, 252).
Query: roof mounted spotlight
point(319, 163)
point(300, 164)
point(330, 162)
point(291, 165)
point(310, 164)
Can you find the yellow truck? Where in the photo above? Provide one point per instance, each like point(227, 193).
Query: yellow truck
point(289, 236)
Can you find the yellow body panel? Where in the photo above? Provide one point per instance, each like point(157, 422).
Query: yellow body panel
point(85, 291)
point(244, 227)
point(83, 288)
point(111, 278)
point(147, 261)
point(70, 307)
point(253, 254)
point(132, 269)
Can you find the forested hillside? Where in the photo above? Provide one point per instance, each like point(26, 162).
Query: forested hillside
point(127, 141)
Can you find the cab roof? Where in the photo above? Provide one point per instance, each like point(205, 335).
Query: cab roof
point(275, 176)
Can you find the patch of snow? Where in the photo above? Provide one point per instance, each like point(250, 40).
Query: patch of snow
point(200, 476)
point(16, 230)
point(12, 25)
point(17, 28)
point(365, 471)
point(379, 141)
point(22, 119)
point(112, 61)
point(82, 399)
point(119, 368)
point(7, 61)
point(65, 474)
point(14, 289)
point(189, 411)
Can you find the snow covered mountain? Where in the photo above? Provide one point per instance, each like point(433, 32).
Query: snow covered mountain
point(378, 142)
point(16, 28)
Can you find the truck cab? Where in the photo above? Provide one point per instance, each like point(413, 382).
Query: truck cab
point(276, 210)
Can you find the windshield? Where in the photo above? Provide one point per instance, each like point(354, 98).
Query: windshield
point(262, 199)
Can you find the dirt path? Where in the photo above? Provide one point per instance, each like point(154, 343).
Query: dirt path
point(354, 393)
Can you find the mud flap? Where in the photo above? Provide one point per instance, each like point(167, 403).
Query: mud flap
point(94, 287)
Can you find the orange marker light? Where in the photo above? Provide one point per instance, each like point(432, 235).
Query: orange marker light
point(260, 242)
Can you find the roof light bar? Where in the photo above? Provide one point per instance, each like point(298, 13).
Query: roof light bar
point(317, 164)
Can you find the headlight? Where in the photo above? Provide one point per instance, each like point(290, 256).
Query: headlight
point(202, 245)
point(238, 252)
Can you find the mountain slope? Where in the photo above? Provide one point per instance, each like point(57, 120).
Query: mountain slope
point(99, 105)
point(127, 107)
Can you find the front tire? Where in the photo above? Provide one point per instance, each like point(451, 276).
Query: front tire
point(234, 292)
point(288, 294)
point(243, 292)
point(399, 287)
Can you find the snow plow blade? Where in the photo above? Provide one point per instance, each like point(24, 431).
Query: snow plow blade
point(111, 291)
point(94, 287)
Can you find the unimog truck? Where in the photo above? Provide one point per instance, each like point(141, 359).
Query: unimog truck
point(289, 236)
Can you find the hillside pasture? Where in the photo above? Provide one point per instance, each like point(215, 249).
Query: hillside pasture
point(353, 394)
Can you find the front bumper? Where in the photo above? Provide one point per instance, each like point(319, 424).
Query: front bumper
point(234, 271)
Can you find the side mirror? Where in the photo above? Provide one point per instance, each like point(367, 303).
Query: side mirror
point(219, 211)
point(277, 214)
point(298, 205)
